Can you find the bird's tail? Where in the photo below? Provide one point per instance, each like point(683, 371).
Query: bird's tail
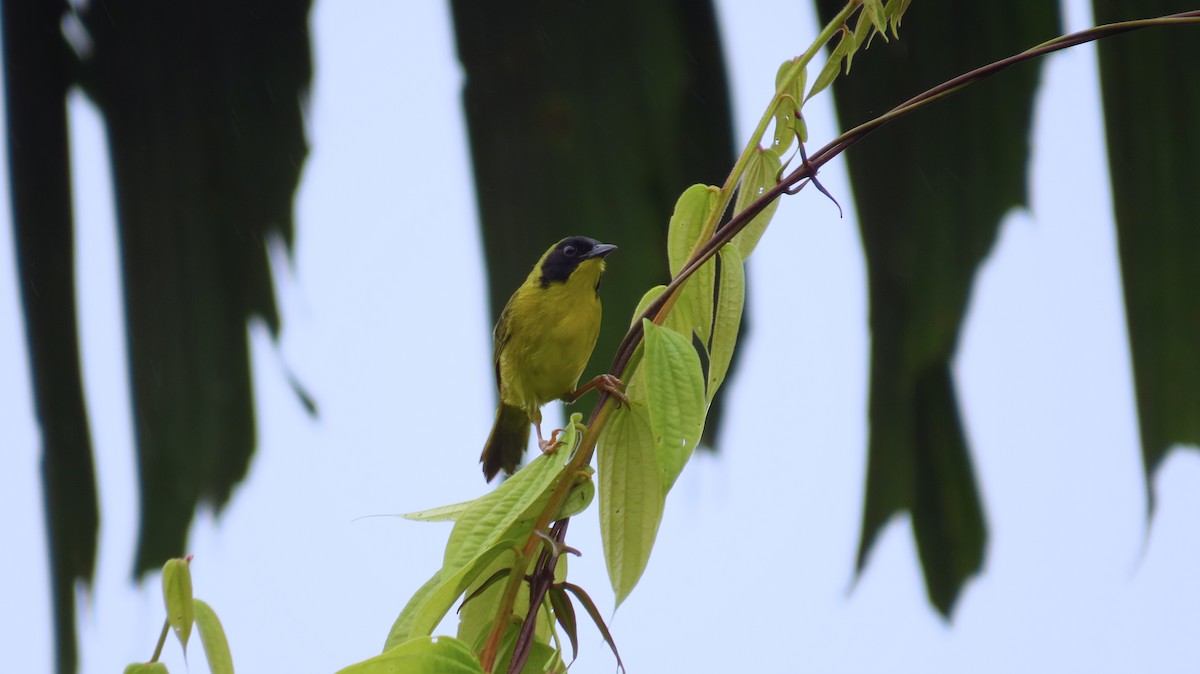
point(507, 443)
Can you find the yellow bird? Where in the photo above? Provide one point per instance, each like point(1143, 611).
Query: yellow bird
point(542, 342)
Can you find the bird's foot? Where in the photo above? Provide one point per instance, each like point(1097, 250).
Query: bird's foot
point(611, 385)
point(605, 382)
point(548, 446)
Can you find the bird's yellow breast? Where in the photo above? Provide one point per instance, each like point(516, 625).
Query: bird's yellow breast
point(551, 333)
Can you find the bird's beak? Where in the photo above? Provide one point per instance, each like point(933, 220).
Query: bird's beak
point(600, 250)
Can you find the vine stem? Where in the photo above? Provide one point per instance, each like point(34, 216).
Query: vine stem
point(581, 458)
point(739, 167)
point(162, 641)
point(792, 183)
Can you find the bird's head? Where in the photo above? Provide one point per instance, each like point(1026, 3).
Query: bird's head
point(574, 254)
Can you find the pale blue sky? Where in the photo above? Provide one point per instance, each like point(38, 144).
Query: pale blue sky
point(755, 554)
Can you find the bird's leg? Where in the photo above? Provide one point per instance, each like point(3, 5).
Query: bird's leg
point(547, 446)
point(605, 382)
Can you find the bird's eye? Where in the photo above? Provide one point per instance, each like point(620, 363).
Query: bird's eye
point(569, 251)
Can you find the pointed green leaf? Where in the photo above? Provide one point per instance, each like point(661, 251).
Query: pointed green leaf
point(894, 12)
point(789, 81)
point(869, 25)
point(212, 637)
point(922, 250)
point(730, 299)
point(789, 87)
point(692, 210)
point(693, 311)
point(785, 125)
point(487, 528)
point(873, 10)
point(475, 616)
point(540, 653)
point(1150, 113)
point(447, 513)
point(762, 172)
point(651, 295)
point(441, 655)
point(505, 513)
point(500, 574)
point(402, 627)
point(830, 71)
point(146, 668)
point(631, 496)
point(177, 595)
point(433, 600)
point(579, 498)
point(675, 395)
point(851, 42)
point(508, 644)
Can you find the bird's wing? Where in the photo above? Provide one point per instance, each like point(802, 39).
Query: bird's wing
point(499, 340)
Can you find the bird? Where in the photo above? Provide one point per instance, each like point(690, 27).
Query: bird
point(541, 343)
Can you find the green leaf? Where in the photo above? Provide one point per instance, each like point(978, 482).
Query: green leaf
point(506, 513)
point(631, 496)
point(675, 396)
point(177, 595)
point(440, 655)
point(146, 668)
point(402, 627)
point(433, 600)
point(829, 71)
point(580, 496)
point(651, 295)
point(789, 91)
point(504, 571)
point(863, 33)
point(851, 41)
point(540, 653)
point(873, 9)
point(762, 173)
point(1150, 113)
point(447, 513)
point(508, 644)
point(730, 299)
point(487, 528)
point(692, 210)
point(785, 125)
point(928, 214)
point(477, 613)
point(212, 637)
point(789, 81)
point(693, 311)
point(894, 11)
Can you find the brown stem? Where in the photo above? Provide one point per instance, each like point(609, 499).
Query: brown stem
point(808, 169)
point(539, 584)
point(724, 234)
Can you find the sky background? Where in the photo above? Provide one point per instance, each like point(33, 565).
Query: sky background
point(755, 555)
